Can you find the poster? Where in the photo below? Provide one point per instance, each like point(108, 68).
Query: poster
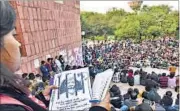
point(36, 63)
point(73, 93)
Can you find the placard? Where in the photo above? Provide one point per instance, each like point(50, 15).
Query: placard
point(74, 91)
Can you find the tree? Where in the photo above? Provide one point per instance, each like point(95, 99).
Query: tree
point(154, 31)
point(151, 21)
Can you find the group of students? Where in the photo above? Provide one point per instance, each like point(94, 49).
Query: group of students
point(52, 66)
point(140, 77)
point(160, 53)
point(148, 100)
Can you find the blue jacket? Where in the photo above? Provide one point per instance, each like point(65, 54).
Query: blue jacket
point(44, 70)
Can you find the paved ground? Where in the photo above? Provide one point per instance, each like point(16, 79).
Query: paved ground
point(124, 87)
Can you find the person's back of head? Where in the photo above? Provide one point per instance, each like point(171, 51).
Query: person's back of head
point(24, 75)
point(143, 107)
point(130, 71)
point(31, 76)
point(49, 59)
point(130, 90)
point(136, 91)
point(148, 88)
point(38, 75)
point(169, 93)
point(171, 75)
point(115, 90)
point(43, 62)
point(164, 74)
point(167, 101)
point(133, 95)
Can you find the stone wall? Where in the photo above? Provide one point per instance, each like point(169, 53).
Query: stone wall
point(47, 28)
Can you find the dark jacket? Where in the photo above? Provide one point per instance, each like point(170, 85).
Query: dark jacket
point(143, 79)
point(22, 98)
point(44, 70)
point(151, 83)
point(131, 81)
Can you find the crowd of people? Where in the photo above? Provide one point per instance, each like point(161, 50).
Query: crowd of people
point(148, 100)
point(160, 53)
point(31, 92)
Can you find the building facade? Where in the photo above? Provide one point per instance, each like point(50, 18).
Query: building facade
point(48, 29)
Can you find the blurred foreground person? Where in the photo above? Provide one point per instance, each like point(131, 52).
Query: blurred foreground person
point(14, 94)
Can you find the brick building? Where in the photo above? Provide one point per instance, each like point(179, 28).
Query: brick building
point(46, 29)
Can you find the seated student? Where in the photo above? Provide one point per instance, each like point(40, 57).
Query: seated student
point(151, 82)
point(154, 76)
point(130, 77)
point(167, 101)
point(38, 78)
point(123, 77)
point(133, 102)
point(136, 78)
point(152, 94)
point(116, 97)
point(33, 83)
point(172, 81)
point(163, 81)
point(143, 78)
point(139, 93)
point(127, 95)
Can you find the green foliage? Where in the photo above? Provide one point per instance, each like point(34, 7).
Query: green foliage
point(150, 22)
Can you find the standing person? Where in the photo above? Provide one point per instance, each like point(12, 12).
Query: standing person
point(45, 72)
point(61, 59)
point(48, 65)
point(14, 94)
point(58, 63)
point(53, 65)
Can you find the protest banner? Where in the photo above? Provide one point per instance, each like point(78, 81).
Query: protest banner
point(74, 91)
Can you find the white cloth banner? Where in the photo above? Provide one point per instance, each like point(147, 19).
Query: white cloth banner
point(74, 91)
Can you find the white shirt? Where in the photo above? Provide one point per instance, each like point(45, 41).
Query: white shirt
point(137, 79)
point(58, 63)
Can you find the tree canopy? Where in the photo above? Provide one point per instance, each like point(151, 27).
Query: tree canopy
point(149, 22)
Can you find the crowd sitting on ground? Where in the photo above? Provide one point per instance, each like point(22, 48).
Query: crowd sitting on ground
point(148, 100)
point(150, 53)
